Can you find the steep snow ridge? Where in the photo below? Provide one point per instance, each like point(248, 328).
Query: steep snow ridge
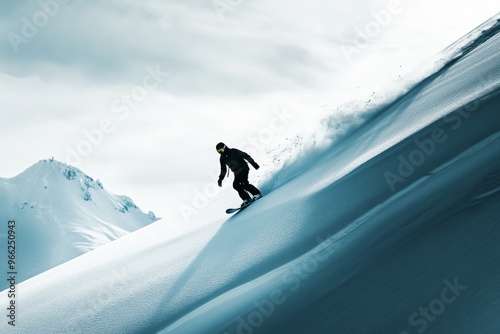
point(61, 213)
point(329, 267)
point(351, 117)
point(458, 174)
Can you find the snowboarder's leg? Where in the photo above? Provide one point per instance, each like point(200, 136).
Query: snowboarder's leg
point(240, 188)
point(252, 190)
point(247, 186)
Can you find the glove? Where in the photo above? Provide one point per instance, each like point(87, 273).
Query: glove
point(219, 183)
point(256, 166)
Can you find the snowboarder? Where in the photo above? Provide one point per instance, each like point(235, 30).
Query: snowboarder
point(235, 160)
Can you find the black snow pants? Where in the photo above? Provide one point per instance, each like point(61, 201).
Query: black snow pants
point(242, 186)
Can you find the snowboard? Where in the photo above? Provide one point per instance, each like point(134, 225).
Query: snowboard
point(229, 211)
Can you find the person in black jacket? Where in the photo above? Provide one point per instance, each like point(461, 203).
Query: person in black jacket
point(235, 160)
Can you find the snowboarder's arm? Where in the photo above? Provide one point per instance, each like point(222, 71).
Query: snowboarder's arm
point(223, 170)
point(249, 159)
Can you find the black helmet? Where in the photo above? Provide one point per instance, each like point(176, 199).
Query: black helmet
point(219, 146)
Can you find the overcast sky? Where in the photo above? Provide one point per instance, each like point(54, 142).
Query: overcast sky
point(156, 84)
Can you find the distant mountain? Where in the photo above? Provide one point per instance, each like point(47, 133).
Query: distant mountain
point(61, 213)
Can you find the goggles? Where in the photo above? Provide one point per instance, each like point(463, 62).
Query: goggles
point(220, 150)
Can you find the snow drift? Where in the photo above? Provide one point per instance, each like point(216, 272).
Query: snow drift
point(393, 229)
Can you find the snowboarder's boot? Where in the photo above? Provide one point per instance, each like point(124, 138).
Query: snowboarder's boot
point(246, 202)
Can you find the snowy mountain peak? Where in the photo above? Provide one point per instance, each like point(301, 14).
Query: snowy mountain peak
point(46, 166)
point(59, 205)
point(52, 171)
point(64, 181)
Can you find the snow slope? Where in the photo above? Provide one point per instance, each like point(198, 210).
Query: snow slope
point(61, 213)
point(393, 229)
